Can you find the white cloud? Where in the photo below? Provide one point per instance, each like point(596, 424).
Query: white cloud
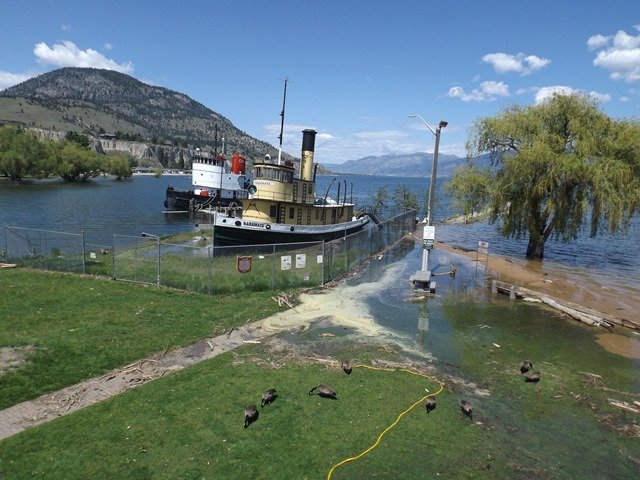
point(108, 46)
point(520, 63)
point(488, 91)
point(67, 54)
point(545, 93)
point(524, 90)
point(8, 79)
point(381, 135)
point(625, 99)
point(598, 41)
point(619, 54)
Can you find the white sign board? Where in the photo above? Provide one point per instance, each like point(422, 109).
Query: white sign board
point(301, 260)
point(429, 232)
point(319, 259)
point(285, 262)
point(483, 247)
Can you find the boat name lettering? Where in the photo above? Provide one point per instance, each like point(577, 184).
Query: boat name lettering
point(254, 224)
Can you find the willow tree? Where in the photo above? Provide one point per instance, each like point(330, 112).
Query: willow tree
point(556, 168)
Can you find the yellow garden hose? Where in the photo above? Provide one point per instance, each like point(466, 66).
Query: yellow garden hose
point(352, 459)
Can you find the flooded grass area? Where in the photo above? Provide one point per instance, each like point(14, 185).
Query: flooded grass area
point(578, 421)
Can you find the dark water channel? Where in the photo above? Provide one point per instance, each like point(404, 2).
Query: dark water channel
point(562, 427)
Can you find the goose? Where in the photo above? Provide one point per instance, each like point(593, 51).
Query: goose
point(431, 403)
point(268, 396)
point(532, 377)
point(525, 366)
point(467, 409)
point(347, 367)
point(250, 415)
point(324, 391)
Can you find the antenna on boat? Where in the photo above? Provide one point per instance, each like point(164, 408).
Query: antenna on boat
point(215, 140)
point(284, 100)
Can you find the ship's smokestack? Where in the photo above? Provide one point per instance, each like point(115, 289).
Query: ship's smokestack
point(306, 158)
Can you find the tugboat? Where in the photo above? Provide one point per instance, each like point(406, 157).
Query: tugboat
point(216, 184)
point(284, 209)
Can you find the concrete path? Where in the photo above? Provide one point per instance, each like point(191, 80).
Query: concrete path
point(28, 414)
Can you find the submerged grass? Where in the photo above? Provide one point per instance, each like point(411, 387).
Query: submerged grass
point(84, 326)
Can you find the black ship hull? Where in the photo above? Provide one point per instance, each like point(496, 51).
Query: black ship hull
point(189, 201)
point(234, 231)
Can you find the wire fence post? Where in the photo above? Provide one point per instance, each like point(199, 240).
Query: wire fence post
point(84, 254)
point(210, 254)
point(273, 269)
point(44, 240)
point(113, 257)
point(323, 265)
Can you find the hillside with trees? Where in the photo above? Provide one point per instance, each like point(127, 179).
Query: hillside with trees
point(95, 102)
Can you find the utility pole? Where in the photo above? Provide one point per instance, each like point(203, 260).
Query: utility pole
point(422, 278)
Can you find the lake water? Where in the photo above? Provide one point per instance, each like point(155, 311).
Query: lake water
point(104, 207)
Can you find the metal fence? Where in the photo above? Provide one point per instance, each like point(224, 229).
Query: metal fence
point(199, 266)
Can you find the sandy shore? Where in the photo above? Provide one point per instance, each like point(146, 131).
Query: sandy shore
point(587, 296)
point(538, 277)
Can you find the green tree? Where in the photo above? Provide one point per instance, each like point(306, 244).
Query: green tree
point(404, 198)
point(79, 164)
point(119, 166)
point(379, 199)
point(555, 166)
point(78, 138)
point(21, 153)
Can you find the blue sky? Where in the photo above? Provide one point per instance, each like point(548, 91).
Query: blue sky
point(357, 69)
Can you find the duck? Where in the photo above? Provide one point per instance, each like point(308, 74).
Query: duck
point(467, 409)
point(347, 366)
point(268, 396)
point(325, 391)
point(250, 415)
point(532, 377)
point(525, 366)
point(431, 403)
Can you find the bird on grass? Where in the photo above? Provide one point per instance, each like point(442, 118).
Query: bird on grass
point(525, 366)
point(431, 403)
point(347, 366)
point(325, 391)
point(467, 409)
point(533, 377)
point(268, 396)
point(250, 415)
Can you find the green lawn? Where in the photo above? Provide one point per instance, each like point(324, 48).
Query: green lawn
point(190, 425)
point(83, 326)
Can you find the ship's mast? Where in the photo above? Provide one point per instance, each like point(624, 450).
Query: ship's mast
point(284, 100)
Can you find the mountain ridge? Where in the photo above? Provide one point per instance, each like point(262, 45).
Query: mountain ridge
point(96, 101)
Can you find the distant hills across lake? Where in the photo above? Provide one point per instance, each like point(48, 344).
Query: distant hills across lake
point(404, 165)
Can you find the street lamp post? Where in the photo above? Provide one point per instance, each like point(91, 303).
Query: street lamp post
point(423, 277)
point(434, 166)
point(151, 235)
